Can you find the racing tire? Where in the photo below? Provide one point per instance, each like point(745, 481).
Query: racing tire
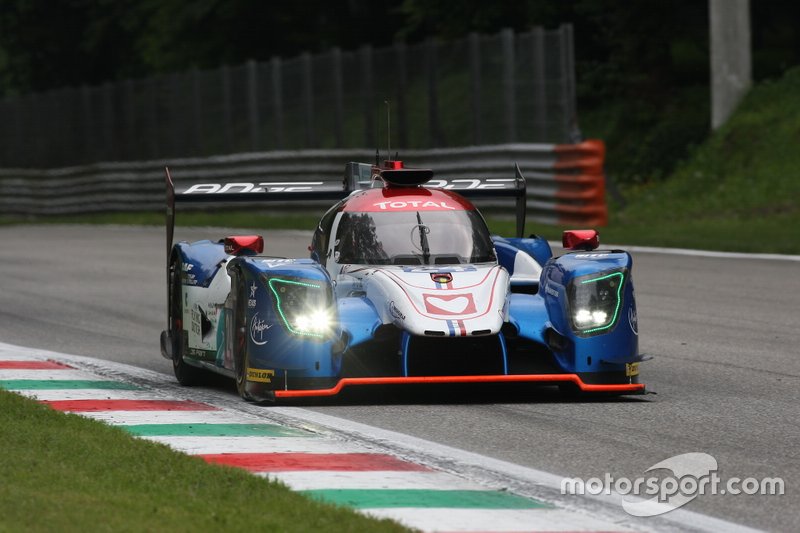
point(186, 374)
point(241, 356)
point(570, 391)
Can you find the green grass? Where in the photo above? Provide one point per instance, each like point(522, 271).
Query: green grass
point(66, 473)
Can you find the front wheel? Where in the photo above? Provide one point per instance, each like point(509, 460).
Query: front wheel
point(241, 356)
point(186, 374)
point(249, 391)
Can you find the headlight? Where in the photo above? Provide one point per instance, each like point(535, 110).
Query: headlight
point(595, 301)
point(304, 306)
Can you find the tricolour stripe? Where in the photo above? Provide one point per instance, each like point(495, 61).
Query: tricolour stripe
point(425, 499)
point(55, 395)
point(45, 375)
point(80, 406)
point(215, 430)
point(122, 418)
point(316, 480)
point(282, 462)
point(32, 365)
point(64, 384)
point(256, 445)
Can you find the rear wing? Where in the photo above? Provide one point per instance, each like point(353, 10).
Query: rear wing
point(515, 187)
point(363, 176)
point(357, 176)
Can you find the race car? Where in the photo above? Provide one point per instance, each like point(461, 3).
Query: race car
point(404, 285)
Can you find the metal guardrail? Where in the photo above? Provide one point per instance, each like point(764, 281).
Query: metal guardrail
point(480, 90)
point(565, 183)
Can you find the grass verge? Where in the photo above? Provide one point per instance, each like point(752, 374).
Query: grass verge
point(67, 473)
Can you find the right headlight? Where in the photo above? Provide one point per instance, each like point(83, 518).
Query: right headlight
point(304, 306)
point(595, 301)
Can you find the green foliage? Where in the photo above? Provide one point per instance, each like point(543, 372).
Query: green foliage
point(739, 186)
point(67, 473)
point(646, 141)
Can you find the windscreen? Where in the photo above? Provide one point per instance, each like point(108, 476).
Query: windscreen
point(413, 238)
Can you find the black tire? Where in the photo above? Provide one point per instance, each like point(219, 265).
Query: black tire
point(186, 374)
point(570, 391)
point(241, 359)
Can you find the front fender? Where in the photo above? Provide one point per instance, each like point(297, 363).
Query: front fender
point(602, 349)
point(274, 347)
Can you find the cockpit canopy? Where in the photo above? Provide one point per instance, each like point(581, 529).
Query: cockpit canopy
point(410, 237)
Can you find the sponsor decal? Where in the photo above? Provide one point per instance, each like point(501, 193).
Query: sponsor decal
point(442, 277)
point(196, 321)
point(551, 291)
point(186, 267)
point(472, 183)
point(260, 375)
point(199, 353)
point(631, 369)
point(395, 312)
point(413, 204)
point(245, 187)
point(435, 270)
point(591, 256)
point(257, 329)
point(633, 320)
point(274, 262)
point(449, 304)
point(456, 328)
point(251, 302)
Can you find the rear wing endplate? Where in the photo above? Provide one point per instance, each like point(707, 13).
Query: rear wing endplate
point(246, 192)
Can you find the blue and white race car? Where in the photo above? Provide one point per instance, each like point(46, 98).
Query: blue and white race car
point(404, 285)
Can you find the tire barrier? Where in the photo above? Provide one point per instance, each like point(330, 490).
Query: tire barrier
point(565, 182)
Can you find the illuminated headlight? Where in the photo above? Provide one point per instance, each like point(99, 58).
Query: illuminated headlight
point(316, 321)
point(304, 306)
point(595, 301)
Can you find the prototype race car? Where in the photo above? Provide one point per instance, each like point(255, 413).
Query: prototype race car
point(404, 285)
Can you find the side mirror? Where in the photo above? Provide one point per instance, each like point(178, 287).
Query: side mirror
point(580, 239)
point(244, 244)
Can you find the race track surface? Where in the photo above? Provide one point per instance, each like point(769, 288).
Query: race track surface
point(723, 332)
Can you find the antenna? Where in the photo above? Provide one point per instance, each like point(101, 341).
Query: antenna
point(388, 127)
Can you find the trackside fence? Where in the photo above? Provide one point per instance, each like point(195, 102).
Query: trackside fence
point(565, 182)
point(480, 90)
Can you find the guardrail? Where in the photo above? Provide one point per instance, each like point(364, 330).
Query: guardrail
point(566, 182)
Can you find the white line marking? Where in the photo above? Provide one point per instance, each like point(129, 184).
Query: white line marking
point(210, 445)
point(47, 375)
point(316, 480)
point(44, 395)
point(132, 418)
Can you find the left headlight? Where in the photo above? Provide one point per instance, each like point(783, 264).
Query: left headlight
point(595, 301)
point(304, 306)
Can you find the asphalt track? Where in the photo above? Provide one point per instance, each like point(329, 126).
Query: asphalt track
point(723, 332)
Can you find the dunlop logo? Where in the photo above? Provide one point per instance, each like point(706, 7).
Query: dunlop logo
point(259, 375)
